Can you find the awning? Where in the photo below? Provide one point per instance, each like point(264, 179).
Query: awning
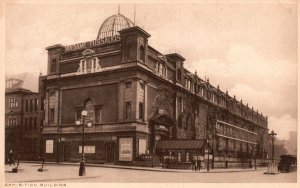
point(180, 144)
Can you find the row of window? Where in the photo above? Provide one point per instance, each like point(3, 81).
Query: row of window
point(127, 113)
point(13, 102)
point(89, 65)
point(191, 86)
point(178, 157)
point(31, 105)
point(30, 123)
point(130, 52)
point(236, 146)
point(94, 113)
point(10, 83)
point(12, 120)
point(234, 132)
point(161, 69)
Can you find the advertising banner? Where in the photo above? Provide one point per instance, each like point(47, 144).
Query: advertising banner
point(142, 146)
point(49, 146)
point(125, 149)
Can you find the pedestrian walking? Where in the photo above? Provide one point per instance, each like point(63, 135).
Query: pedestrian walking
point(199, 164)
point(194, 164)
point(11, 158)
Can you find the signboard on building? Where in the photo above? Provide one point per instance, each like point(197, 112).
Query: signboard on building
point(125, 149)
point(49, 146)
point(90, 44)
point(142, 146)
point(88, 149)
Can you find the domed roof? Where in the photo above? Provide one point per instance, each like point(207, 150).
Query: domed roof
point(112, 25)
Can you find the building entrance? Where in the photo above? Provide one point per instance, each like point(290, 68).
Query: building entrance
point(66, 151)
point(110, 152)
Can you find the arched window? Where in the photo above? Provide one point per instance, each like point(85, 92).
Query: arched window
point(142, 53)
point(90, 108)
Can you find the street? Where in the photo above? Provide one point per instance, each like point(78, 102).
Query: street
point(69, 174)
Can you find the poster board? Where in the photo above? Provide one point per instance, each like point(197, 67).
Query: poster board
point(125, 149)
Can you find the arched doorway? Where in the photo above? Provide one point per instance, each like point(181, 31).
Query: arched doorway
point(161, 128)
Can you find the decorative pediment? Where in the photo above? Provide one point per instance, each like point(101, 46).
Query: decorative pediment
point(88, 52)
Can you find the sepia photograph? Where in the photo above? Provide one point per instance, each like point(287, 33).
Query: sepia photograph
point(149, 92)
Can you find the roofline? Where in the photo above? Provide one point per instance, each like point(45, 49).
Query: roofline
point(54, 46)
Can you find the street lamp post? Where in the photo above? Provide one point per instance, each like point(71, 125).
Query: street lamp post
point(255, 150)
point(271, 165)
point(83, 123)
point(272, 135)
point(208, 148)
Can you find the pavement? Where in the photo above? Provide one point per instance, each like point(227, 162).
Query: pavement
point(68, 173)
point(203, 170)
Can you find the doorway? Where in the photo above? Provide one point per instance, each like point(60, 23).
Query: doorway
point(109, 152)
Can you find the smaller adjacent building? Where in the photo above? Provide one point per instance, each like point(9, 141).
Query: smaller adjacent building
point(23, 116)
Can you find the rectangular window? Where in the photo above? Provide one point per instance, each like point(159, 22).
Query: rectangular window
point(128, 84)
point(26, 105)
point(34, 123)
point(165, 71)
point(30, 123)
point(35, 104)
point(83, 65)
point(141, 110)
point(51, 115)
point(179, 157)
point(14, 120)
point(53, 66)
point(187, 157)
point(160, 66)
point(78, 115)
point(9, 121)
point(127, 110)
point(98, 114)
point(13, 102)
point(25, 123)
point(30, 105)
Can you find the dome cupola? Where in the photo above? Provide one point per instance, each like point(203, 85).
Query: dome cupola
point(113, 24)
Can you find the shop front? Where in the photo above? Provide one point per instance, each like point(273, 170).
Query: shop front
point(180, 154)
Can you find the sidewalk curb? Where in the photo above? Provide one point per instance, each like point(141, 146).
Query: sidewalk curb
point(149, 169)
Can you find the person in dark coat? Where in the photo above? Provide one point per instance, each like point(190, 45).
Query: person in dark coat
point(199, 164)
point(194, 164)
point(11, 158)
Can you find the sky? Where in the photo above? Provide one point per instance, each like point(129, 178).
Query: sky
point(249, 49)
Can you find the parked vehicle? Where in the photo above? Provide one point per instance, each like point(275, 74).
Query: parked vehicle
point(288, 163)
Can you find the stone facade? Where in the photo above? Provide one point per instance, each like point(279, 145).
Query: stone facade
point(134, 93)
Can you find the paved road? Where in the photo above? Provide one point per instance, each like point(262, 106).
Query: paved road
point(69, 174)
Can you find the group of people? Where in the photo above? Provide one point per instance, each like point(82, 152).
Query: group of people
point(196, 164)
